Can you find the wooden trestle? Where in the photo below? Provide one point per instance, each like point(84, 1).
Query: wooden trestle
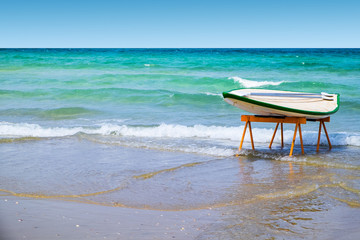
point(281, 120)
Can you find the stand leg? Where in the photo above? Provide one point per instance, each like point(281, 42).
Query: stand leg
point(293, 141)
point(251, 136)
point(301, 140)
point(327, 136)
point(273, 136)
point(243, 136)
point(282, 136)
point(318, 143)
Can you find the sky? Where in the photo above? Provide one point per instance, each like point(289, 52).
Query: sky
point(179, 23)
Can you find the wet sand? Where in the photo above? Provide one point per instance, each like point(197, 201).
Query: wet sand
point(49, 219)
point(71, 188)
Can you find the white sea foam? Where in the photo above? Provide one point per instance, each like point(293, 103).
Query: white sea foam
point(218, 133)
point(251, 84)
point(352, 140)
point(213, 94)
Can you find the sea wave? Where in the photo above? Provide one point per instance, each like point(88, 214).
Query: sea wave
point(172, 131)
point(250, 84)
point(213, 94)
point(54, 114)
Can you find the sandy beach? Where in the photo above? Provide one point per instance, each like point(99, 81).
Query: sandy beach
point(48, 219)
point(93, 191)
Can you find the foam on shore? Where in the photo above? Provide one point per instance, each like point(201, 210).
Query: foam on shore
point(174, 131)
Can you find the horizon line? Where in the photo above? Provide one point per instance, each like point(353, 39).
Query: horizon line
point(179, 47)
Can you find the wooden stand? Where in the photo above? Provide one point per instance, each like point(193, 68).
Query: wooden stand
point(281, 120)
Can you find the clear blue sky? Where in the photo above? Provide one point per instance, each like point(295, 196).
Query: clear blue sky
point(179, 23)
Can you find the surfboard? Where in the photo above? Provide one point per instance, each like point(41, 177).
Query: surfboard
point(284, 103)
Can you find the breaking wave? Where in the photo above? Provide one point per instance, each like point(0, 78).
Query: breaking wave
point(222, 133)
point(251, 84)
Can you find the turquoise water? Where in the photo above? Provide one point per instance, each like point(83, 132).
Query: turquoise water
point(156, 93)
point(148, 130)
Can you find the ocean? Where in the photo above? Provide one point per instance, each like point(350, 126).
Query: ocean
point(115, 126)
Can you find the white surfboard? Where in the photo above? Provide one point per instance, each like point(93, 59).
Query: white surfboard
point(284, 103)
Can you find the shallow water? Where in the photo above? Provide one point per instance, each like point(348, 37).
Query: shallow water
point(259, 194)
